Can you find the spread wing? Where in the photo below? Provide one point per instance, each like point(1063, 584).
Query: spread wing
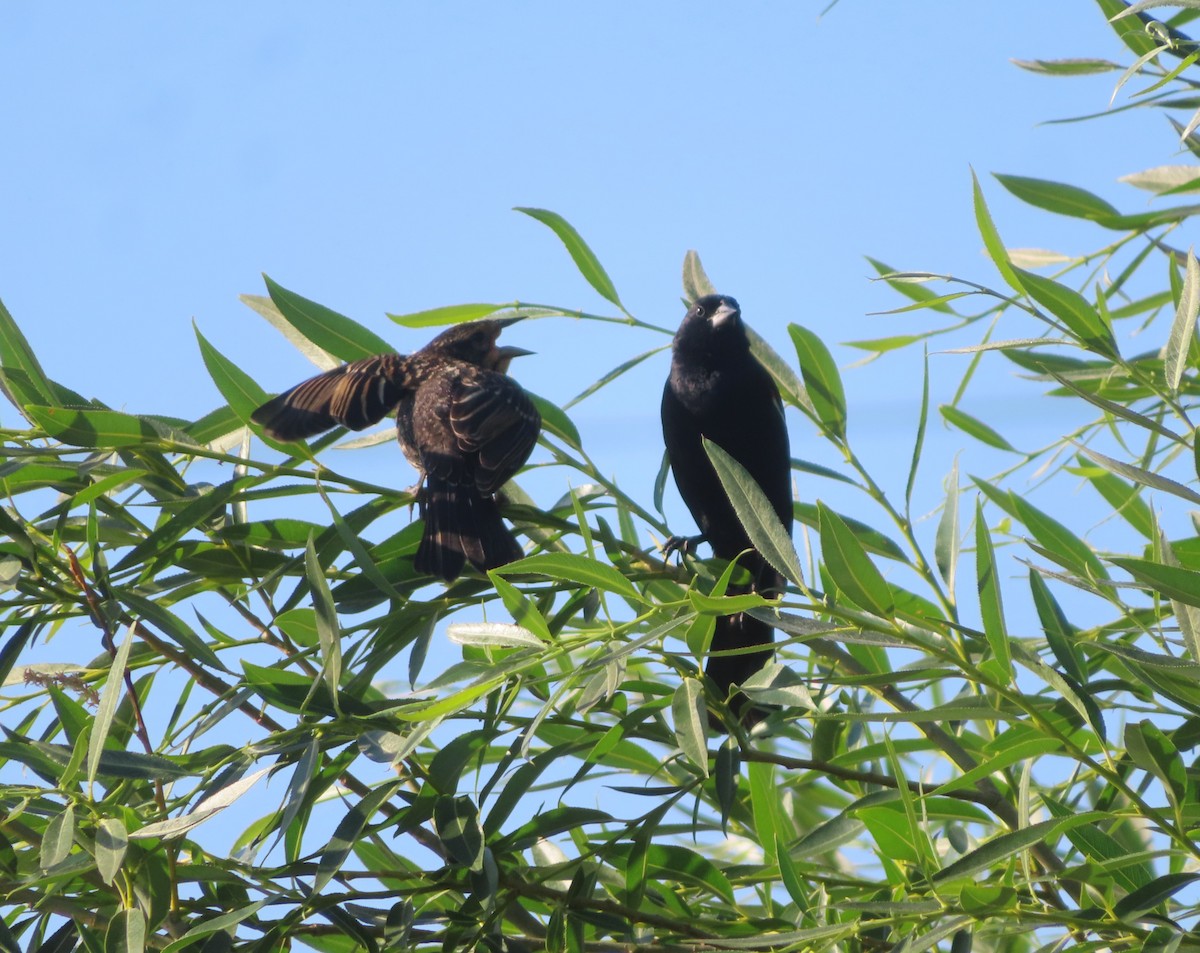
point(355, 395)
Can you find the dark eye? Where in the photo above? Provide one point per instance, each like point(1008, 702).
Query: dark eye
point(699, 308)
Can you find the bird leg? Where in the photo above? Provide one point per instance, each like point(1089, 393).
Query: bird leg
point(682, 544)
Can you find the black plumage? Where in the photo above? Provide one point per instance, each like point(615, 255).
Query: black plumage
point(717, 389)
point(463, 424)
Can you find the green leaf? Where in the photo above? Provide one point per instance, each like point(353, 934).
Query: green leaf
point(1060, 634)
point(947, 540)
point(58, 839)
point(999, 666)
point(329, 635)
point(975, 427)
point(18, 360)
point(126, 932)
point(755, 513)
point(991, 238)
point(917, 292)
point(1143, 477)
point(1124, 499)
point(695, 281)
point(1174, 582)
point(111, 845)
point(557, 422)
point(688, 713)
point(1153, 752)
point(1058, 198)
point(1152, 895)
point(569, 567)
point(103, 429)
point(1005, 846)
point(114, 691)
point(1072, 309)
point(850, 567)
point(235, 385)
point(1066, 67)
point(450, 314)
point(585, 260)
point(334, 333)
point(821, 380)
point(347, 833)
point(457, 823)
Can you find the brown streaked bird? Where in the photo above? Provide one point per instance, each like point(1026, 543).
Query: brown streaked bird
point(463, 424)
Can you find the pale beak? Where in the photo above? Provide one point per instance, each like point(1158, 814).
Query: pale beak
point(724, 314)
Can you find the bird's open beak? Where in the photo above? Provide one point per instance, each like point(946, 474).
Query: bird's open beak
point(501, 357)
point(723, 314)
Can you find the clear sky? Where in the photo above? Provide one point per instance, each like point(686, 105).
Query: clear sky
point(158, 157)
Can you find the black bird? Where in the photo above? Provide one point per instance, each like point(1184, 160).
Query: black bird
point(717, 389)
point(463, 424)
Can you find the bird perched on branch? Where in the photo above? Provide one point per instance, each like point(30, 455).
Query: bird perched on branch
point(717, 389)
point(463, 424)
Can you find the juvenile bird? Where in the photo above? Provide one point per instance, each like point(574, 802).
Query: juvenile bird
point(463, 424)
point(717, 389)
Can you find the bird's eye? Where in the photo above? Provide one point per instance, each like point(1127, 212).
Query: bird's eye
point(699, 310)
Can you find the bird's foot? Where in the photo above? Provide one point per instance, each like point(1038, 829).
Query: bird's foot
point(681, 544)
point(418, 493)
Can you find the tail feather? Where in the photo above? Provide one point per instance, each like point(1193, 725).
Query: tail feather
point(742, 631)
point(461, 526)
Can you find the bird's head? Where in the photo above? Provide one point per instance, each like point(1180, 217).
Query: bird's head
point(475, 343)
point(713, 322)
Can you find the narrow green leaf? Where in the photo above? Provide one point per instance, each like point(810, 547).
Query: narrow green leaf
point(1057, 197)
point(999, 666)
point(1067, 67)
point(103, 429)
point(688, 712)
point(695, 280)
point(1124, 499)
point(991, 238)
point(765, 808)
point(17, 358)
point(217, 924)
point(851, 568)
point(790, 388)
point(555, 421)
point(450, 314)
point(873, 541)
point(975, 428)
point(947, 540)
point(1144, 477)
point(569, 567)
point(456, 820)
point(329, 635)
point(1174, 582)
point(755, 513)
point(110, 697)
point(347, 833)
point(821, 380)
point(1060, 634)
point(1187, 616)
point(1152, 895)
point(332, 332)
point(922, 421)
point(1153, 752)
point(1005, 846)
point(585, 260)
point(212, 805)
point(236, 386)
point(917, 292)
point(1073, 310)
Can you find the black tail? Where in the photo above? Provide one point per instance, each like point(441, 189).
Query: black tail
point(742, 631)
point(461, 526)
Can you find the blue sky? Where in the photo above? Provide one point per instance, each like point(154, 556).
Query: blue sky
point(158, 158)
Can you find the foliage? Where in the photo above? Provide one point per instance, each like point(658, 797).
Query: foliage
point(952, 758)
